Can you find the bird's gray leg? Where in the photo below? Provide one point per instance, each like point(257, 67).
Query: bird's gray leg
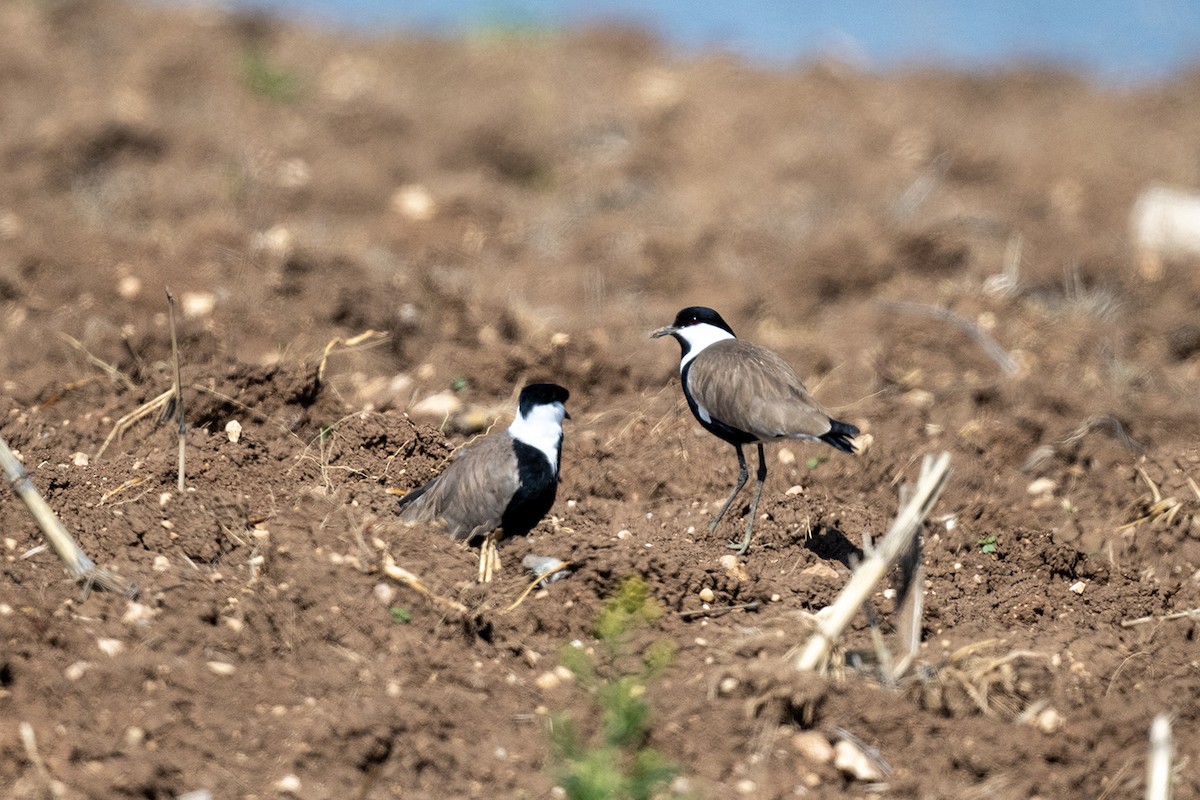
point(743, 475)
point(762, 478)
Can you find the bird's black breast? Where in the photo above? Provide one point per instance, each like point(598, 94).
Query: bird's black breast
point(715, 427)
point(536, 493)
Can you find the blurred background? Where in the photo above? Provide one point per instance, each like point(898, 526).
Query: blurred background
point(1114, 40)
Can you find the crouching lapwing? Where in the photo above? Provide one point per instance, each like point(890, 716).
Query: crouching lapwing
point(744, 394)
point(505, 482)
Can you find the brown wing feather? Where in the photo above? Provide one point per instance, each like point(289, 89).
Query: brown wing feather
point(473, 492)
point(753, 389)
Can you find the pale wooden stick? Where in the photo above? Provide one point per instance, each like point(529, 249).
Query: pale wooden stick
point(399, 573)
point(1191, 612)
point(1158, 763)
point(79, 566)
point(178, 389)
point(898, 539)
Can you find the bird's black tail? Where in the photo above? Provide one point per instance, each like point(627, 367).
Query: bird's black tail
point(839, 435)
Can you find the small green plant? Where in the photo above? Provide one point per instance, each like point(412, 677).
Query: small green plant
point(263, 79)
point(459, 383)
point(400, 616)
point(817, 461)
point(615, 763)
point(987, 544)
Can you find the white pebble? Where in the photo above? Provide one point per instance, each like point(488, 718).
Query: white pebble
point(746, 786)
point(1041, 486)
point(233, 429)
point(79, 459)
point(384, 593)
point(786, 457)
point(854, 762)
point(728, 685)
point(795, 490)
point(75, 671)
point(5, 610)
point(1049, 720)
point(707, 595)
point(129, 287)
point(813, 746)
point(198, 304)
point(221, 668)
point(288, 784)
point(110, 647)
point(134, 737)
point(161, 564)
point(414, 202)
point(547, 681)
point(1078, 586)
point(623, 534)
point(137, 613)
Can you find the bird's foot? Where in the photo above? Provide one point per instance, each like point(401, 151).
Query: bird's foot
point(489, 560)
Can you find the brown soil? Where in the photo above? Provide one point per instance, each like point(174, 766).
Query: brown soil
point(584, 188)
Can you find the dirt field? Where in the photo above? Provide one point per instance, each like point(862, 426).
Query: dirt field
point(514, 208)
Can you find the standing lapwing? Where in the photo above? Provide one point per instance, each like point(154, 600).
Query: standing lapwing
point(506, 481)
point(744, 393)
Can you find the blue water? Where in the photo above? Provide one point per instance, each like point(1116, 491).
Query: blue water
point(1116, 40)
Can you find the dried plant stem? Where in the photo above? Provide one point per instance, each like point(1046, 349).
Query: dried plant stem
point(178, 390)
point(898, 540)
point(79, 566)
point(990, 346)
point(1158, 763)
point(55, 788)
point(1192, 612)
point(399, 573)
point(534, 583)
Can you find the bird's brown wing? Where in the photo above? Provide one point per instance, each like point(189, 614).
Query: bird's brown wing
point(473, 492)
point(753, 389)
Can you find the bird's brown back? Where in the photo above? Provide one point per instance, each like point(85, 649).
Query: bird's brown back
point(753, 389)
point(473, 492)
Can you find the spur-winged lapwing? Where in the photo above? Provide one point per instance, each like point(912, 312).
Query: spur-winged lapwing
point(744, 394)
point(505, 481)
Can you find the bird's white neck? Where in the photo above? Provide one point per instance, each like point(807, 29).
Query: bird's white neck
point(699, 337)
point(541, 428)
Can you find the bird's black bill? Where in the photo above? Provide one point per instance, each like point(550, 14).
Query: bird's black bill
point(665, 331)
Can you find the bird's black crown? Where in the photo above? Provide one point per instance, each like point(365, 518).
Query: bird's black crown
point(540, 394)
point(696, 315)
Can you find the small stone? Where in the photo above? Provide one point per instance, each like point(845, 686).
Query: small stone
point(161, 564)
point(728, 685)
point(745, 786)
point(137, 613)
point(233, 429)
point(134, 737)
point(437, 407)
point(414, 202)
point(75, 671)
point(384, 593)
point(547, 681)
point(820, 571)
point(795, 490)
point(129, 287)
point(1078, 586)
point(163, 499)
point(918, 398)
point(560, 340)
point(79, 459)
point(221, 668)
point(5, 610)
point(813, 747)
point(563, 673)
point(707, 595)
point(234, 624)
point(110, 647)
point(786, 457)
point(1041, 486)
point(198, 304)
point(1049, 720)
point(854, 762)
point(288, 784)
point(623, 534)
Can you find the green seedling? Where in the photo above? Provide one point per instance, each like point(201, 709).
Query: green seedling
point(816, 461)
point(400, 616)
point(459, 383)
point(614, 762)
point(987, 544)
